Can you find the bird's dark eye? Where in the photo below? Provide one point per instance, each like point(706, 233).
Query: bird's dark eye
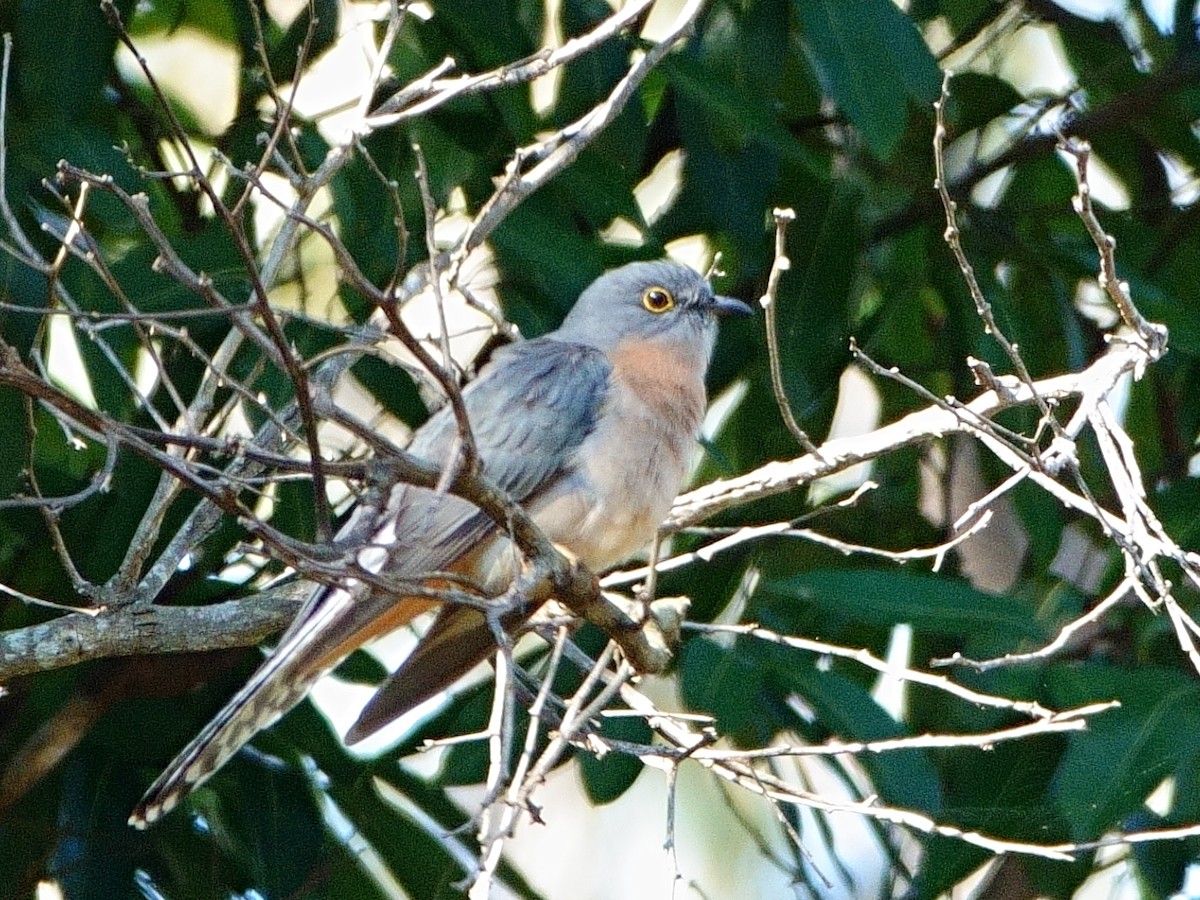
point(658, 299)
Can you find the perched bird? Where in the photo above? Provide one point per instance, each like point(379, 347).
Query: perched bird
point(590, 428)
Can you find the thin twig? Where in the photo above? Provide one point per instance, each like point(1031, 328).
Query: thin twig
point(1153, 336)
point(953, 239)
point(783, 218)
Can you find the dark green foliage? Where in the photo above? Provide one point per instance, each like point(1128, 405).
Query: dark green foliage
point(824, 106)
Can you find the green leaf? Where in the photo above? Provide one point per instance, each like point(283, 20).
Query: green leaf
point(890, 596)
point(417, 855)
point(1000, 792)
point(904, 778)
point(1162, 865)
point(735, 116)
point(268, 817)
point(66, 47)
point(729, 686)
point(212, 17)
point(1110, 769)
point(825, 247)
point(606, 778)
point(361, 667)
point(295, 510)
point(431, 798)
point(962, 15)
point(408, 832)
point(313, 31)
point(976, 99)
point(872, 61)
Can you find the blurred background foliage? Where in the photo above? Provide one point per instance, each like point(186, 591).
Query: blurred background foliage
point(825, 107)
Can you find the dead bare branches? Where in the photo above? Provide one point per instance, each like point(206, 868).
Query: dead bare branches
point(263, 412)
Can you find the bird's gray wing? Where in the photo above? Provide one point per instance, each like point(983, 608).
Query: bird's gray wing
point(529, 409)
point(554, 397)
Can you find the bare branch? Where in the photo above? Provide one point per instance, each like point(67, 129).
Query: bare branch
point(1153, 337)
point(553, 154)
point(431, 90)
point(915, 428)
point(80, 637)
point(953, 240)
point(781, 264)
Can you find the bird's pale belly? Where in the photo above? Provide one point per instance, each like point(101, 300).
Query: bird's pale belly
point(599, 528)
point(620, 490)
point(603, 533)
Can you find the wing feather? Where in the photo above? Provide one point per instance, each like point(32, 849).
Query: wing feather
point(529, 410)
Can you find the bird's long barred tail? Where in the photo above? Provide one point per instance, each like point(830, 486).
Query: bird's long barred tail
point(259, 704)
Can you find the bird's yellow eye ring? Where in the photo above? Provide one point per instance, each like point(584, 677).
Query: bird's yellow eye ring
point(658, 299)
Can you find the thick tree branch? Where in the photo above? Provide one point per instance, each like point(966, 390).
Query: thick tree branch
point(927, 424)
point(81, 637)
point(550, 573)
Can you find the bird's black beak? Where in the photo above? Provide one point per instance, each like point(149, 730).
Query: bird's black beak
point(731, 306)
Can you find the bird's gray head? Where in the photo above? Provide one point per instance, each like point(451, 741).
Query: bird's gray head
point(651, 300)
